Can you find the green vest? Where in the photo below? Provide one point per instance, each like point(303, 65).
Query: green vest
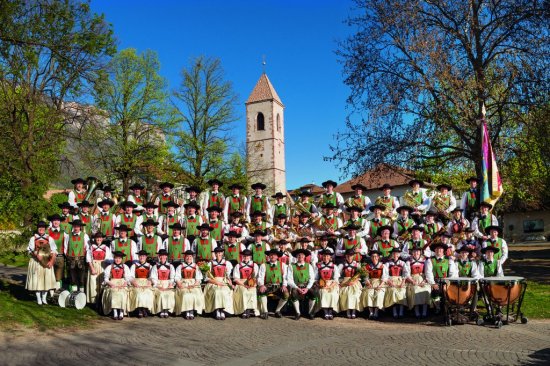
point(65, 226)
point(386, 202)
point(325, 199)
point(214, 200)
point(419, 243)
point(358, 222)
point(75, 248)
point(87, 223)
point(497, 244)
point(163, 200)
point(416, 198)
point(300, 275)
point(332, 222)
point(169, 221)
point(490, 269)
point(192, 224)
point(375, 225)
point(404, 226)
point(280, 209)
point(431, 229)
point(472, 201)
point(464, 269)
point(106, 224)
point(58, 238)
point(440, 269)
point(204, 249)
point(130, 222)
point(273, 275)
point(235, 204)
point(258, 204)
point(216, 232)
point(175, 248)
point(484, 223)
point(150, 245)
point(125, 248)
point(385, 249)
point(258, 253)
point(232, 253)
point(79, 197)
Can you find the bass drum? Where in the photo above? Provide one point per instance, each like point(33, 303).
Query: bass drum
point(76, 300)
point(59, 297)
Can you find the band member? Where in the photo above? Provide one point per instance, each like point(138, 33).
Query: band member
point(305, 244)
point(374, 291)
point(350, 284)
point(390, 203)
point(416, 241)
point(329, 223)
point(280, 230)
point(130, 220)
point(217, 225)
point(483, 221)
point(218, 294)
point(470, 199)
point(107, 196)
point(151, 242)
point(141, 295)
point(213, 197)
point(305, 228)
point(105, 221)
point(193, 196)
point(396, 293)
point(66, 216)
point(169, 218)
point(204, 244)
point(150, 213)
point(272, 279)
point(471, 243)
point(189, 296)
point(245, 298)
point(98, 257)
point(115, 283)
point(323, 246)
point(165, 197)
point(401, 227)
point(416, 197)
point(457, 225)
point(135, 196)
point(440, 267)
point(419, 290)
point(465, 266)
point(259, 202)
point(235, 202)
point(433, 227)
point(490, 266)
point(351, 241)
point(280, 207)
point(75, 246)
point(85, 216)
point(236, 225)
point(356, 219)
point(385, 244)
point(376, 223)
point(40, 273)
point(300, 279)
point(192, 220)
point(305, 205)
point(232, 251)
point(258, 223)
point(78, 194)
point(162, 277)
point(495, 241)
point(58, 235)
point(260, 247)
point(330, 197)
point(124, 244)
point(327, 281)
point(359, 199)
point(176, 244)
point(284, 247)
point(444, 202)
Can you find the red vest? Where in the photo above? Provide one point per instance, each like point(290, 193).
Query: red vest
point(326, 271)
point(142, 270)
point(374, 272)
point(417, 267)
point(117, 272)
point(163, 272)
point(98, 253)
point(219, 269)
point(188, 271)
point(349, 269)
point(245, 271)
point(395, 269)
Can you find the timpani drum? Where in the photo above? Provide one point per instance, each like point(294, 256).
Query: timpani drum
point(503, 297)
point(458, 293)
point(76, 300)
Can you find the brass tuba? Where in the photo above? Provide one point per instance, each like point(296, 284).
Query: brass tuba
point(441, 206)
point(92, 184)
point(388, 211)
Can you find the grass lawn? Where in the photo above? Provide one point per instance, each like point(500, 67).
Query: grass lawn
point(20, 310)
point(536, 303)
point(17, 259)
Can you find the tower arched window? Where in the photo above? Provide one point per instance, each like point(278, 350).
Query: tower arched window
point(278, 122)
point(260, 122)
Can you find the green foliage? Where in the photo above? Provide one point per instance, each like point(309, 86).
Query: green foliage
point(535, 303)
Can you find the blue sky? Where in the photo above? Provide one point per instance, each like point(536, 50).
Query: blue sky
point(298, 39)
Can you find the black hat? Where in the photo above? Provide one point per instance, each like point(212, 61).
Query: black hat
point(211, 182)
point(193, 189)
point(150, 205)
point(328, 205)
point(176, 226)
point(76, 222)
point(142, 252)
point(385, 227)
point(469, 229)
point(107, 188)
point(278, 253)
point(457, 209)
point(281, 242)
point(189, 252)
point(204, 226)
point(171, 204)
point(162, 252)
point(354, 208)
point(214, 208)
point(218, 250)
point(122, 227)
point(55, 217)
point(166, 184)
point(106, 202)
point(444, 185)
point(99, 234)
point(305, 214)
point(78, 180)
point(493, 227)
point(236, 214)
point(373, 207)
point(282, 216)
point(494, 249)
point(233, 234)
point(118, 254)
point(385, 186)
point(259, 232)
point(437, 245)
point(246, 252)
point(192, 205)
point(446, 235)
point(465, 248)
point(305, 193)
point(324, 252)
point(64, 205)
point(322, 237)
point(350, 251)
point(301, 251)
point(486, 204)
point(236, 186)
point(136, 186)
point(41, 224)
point(84, 204)
point(351, 227)
point(416, 227)
point(431, 212)
point(396, 250)
point(417, 247)
point(471, 179)
point(404, 207)
point(257, 213)
point(128, 204)
point(413, 181)
point(327, 182)
point(372, 252)
point(258, 185)
point(278, 195)
point(359, 186)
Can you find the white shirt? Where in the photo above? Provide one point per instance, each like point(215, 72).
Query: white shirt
point(198, 272)
point(107, 273)
point(93, 247)
point(51, 242)
point(154, 274)
point(290, 276)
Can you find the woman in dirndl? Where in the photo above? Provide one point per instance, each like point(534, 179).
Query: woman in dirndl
point(375, 284)
point(396, 293)
point(218, 294)
point(115, 283)
point(98, 257)
point(141, 295)
point(40, 274)
point(350, 285)
point(189, 296)
point(245, 297)
point(419, 290)
point(327, 281)
point(162, 277)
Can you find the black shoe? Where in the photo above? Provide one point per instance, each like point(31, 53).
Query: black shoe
point(297, 316)
point(311, 316)
point(278, 314)
point(264, 316)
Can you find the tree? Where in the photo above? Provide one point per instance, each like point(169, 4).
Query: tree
point(420, 73)
point(50, 53)
point(133, 117)
point(206, 105)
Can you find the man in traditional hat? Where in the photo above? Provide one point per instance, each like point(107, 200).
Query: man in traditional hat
point(490, 266)
point(471, 243)
point(58, 235)
point(259, 202)
point(305, 228)
point(115, 281)
point(217, 225)
point(329, 223)
point(237, 225)
point(176, 244)
point(218, 293)
point(385, 244)
point(440, 267)
point(204, 244)
point(419, 290)
point(359, 199)
point(213, 197)
point(495, 241)
point(305, 205)
point(78, 194)
point(162, 277)
point(192, 220)
point(483, 221)
point(189, 296)
point(272, 279)
point(149, 213)
point(235, 202)
point(356, 219)
point(169, 218)
point(300, 278)
point(105, 220)
point(66, 216)
point(141, 295)
point(260, 247)
point(401, 227)
point(85, 216)
point(432, 225)
point(75, 246)
point(351, 241)
point(416, 241)
point(416, 197)
point(40, 274)
point(232, 248)
point(135, 195)
point(457, 225)
point(470, 199)
point(164, 197)
point(324, 240)
point(376, 223)
point(193, 196)
point(130, 219)
point(98, 257)
point(280, 206)
point(390, 203)
point(245, 276)
point(350, 284)
point(444, 202)
point(107, 195)
point(259, 223)
point(375, 284)
point(123, 243)
point(281, 230)
point(331, 197)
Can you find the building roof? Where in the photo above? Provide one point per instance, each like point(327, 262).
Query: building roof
point(263, 91)
point(315, 189)
point(375, 178)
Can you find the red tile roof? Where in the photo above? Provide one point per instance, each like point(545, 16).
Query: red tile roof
point(263, 91)
point(375, 178)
